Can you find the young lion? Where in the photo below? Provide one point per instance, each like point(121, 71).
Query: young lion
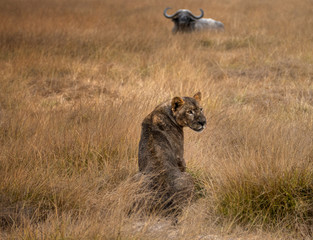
point(161, 147)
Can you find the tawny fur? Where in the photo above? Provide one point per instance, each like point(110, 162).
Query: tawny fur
point(161, 147)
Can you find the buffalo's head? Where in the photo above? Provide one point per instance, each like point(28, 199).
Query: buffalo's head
point(183, 19)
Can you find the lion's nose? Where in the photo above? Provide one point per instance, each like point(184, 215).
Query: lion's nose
point(202, 123)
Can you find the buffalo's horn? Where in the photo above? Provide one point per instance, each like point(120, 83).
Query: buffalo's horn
point(198, 17)
point(169, 16)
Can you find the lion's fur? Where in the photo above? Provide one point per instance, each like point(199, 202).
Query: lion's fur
point(161, 147)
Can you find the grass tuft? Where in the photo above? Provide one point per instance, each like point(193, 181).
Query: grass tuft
point(284, 198)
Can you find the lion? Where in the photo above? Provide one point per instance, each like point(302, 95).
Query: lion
point(161, 147)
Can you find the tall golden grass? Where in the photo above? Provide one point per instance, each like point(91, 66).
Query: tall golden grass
point(78, 77)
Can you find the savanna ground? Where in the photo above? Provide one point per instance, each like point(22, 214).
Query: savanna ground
point(77, 77)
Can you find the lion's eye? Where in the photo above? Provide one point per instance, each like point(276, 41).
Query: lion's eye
point(201, 109)
point(190, 112)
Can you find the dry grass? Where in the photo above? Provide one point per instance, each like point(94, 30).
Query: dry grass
point(77, 78)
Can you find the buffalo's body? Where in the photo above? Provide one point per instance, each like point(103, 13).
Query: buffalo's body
point(185, 21)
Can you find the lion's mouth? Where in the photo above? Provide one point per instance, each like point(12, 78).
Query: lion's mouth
point(198, 128)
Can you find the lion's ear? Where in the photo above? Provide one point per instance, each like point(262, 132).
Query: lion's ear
point(176, 103)
point(197, 96)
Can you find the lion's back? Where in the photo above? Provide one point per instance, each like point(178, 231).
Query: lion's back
point(159, 142)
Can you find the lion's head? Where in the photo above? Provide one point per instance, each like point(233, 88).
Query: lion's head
point(187, 112)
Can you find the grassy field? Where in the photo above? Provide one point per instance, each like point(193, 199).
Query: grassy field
point(77, 77)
